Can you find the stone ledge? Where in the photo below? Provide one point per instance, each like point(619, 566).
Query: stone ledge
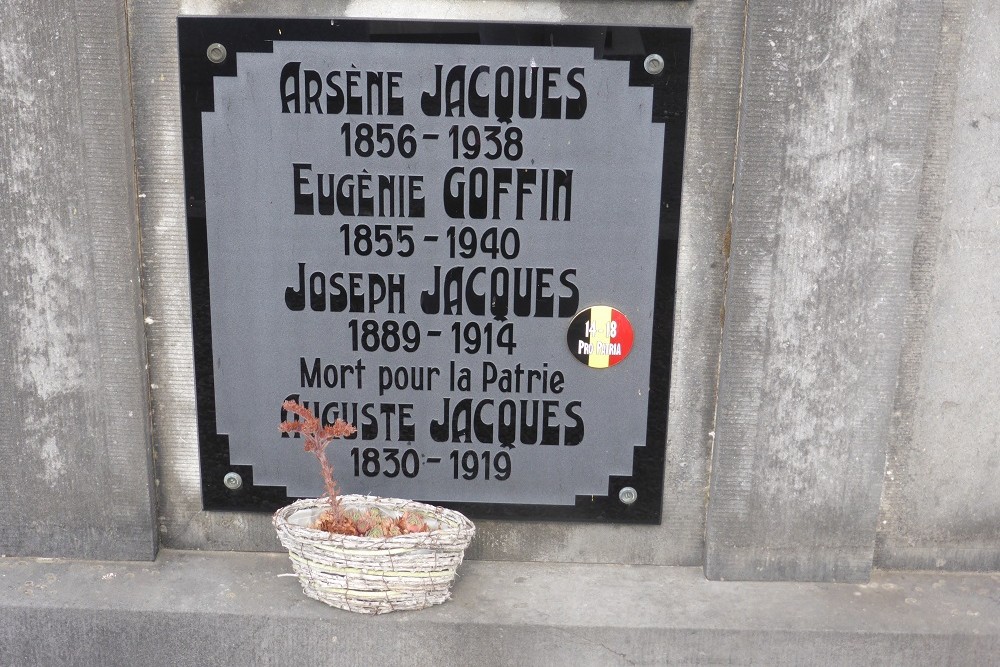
point(220, 608)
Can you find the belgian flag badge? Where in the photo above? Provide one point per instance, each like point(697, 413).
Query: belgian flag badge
point(600, 336)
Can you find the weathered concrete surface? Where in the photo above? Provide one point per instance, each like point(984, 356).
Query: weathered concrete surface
point(941, 505)
point(711, 135)
point(75, 469)
point(832, 133)
point(233, 609)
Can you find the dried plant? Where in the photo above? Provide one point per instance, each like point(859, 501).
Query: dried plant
point(317, 437)
point(370, 523)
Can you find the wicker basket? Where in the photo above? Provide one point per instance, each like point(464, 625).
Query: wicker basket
point(375, 575)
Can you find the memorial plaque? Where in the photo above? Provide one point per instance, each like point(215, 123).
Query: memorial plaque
point(461, 238)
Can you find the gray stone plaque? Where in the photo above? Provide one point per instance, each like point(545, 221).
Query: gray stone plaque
point(453, 246)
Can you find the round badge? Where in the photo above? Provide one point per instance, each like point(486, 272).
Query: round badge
point(600, 336)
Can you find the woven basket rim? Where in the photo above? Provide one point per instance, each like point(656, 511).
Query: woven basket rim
point(452, 524)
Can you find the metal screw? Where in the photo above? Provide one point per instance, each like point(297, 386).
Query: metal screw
point(233, 481)
point(217, 53)
point(653, 63)
point(628, 495)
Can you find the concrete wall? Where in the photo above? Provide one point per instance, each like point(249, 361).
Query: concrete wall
point(941, 506)
point(75, 466)
point(832, 130)
point(848, 335)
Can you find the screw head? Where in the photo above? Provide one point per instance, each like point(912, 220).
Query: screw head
point(628, 495)
point(654, 63)
point(233, 481)
point(216, 53)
